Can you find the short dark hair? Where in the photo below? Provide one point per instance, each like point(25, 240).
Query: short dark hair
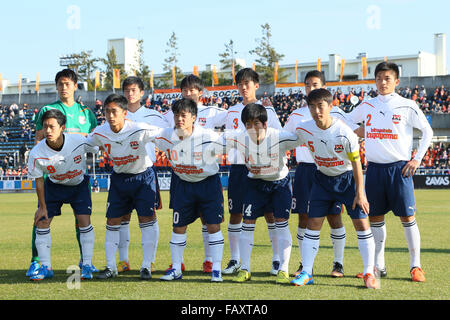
point(54, 114)
point(320, 94)
point(185, 104)
point(254, 111)
point(387, 66)
point(192, 81)
point(118, 99)
point(315, 74)
point(66, 73)
point(133, 80)
point(247, 74)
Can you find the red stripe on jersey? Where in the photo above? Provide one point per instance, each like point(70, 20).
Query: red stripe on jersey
point(368, 104)
point(233, 111)
point(159, 138)
point(100, 135)
point(304, 130)
point(237, 142)
point(34, 162)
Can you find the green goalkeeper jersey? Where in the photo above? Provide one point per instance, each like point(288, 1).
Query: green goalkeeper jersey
point(79, 119)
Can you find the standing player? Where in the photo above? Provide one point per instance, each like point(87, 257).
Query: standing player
point(389, 122)
point(133, 184)
point(133, 90)
point(209, 117)
point(198, 189)
point(79, 120)
point(247, 81)
point(268, 185)
point(337, 180)
point(62, 157)
point(304, 177)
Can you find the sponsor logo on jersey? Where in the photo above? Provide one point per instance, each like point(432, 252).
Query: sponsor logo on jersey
point(82, 119)
point(198, 155)
point(77, 159)
point(134, 145)
point(338, 148)
point(202, 121)
point(396, 118)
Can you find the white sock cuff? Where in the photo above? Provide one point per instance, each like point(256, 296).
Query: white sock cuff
point(248, 227)
point(87, 229)
point(312, 234)
point(178, 239)
point(42, 232)
point(409, 224)
point(365, 234)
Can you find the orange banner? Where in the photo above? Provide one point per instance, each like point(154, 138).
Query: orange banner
point(195, 71)
point(97, 79)
point(116, 78)
point(275, 73)
point(364, 67)
point(151, 80)
point(1, 83)
point(232, 73)
point(254, 66)
point(319, 64)
point(214, 74)
point(36, 88)
point(296, 71)
point(20, 83)
point(342, 69)
point(174, 78)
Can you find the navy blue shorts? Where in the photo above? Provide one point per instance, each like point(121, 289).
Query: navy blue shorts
point(132, 191)
point(267, 197)
point(79, 197)
point(237, 188)
point(329, 193)
point(302, 186)
point(191, 198)
point(387, 189)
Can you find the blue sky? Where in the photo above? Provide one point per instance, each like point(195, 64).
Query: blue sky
point(36, 33)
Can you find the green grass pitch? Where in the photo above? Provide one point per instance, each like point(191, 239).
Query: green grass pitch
point(17, 212)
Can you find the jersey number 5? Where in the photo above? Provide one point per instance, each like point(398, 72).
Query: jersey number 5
point(311, 146)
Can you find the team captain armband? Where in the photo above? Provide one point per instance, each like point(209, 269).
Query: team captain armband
point(353, 156)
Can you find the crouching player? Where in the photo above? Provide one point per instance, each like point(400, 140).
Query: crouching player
point(62, 157)
point(338, 180)
point(198, 189)
point(133, 184)
point(268, 184)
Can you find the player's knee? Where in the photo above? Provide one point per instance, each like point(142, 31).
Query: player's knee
point(84, 220)
point(335, 221)
point(269, 217)
point(235, 218)
point(302, 220)
point(213, 228)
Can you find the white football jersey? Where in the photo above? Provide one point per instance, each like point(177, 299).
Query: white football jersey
point(332, 149)
point(234, 122)
point(126, 148)
point(151, 117)
point(303, 114)
point(209, 117)
point(266, 160)
point(192, 159)
point(389, 122)
point(67, 166)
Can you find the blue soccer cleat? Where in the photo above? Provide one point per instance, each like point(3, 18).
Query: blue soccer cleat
point(33, 269)
point(86, 272)
point(43, 273)
point(172, 274)
point(303, 279)
point(93, 269)
point(216, 276)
